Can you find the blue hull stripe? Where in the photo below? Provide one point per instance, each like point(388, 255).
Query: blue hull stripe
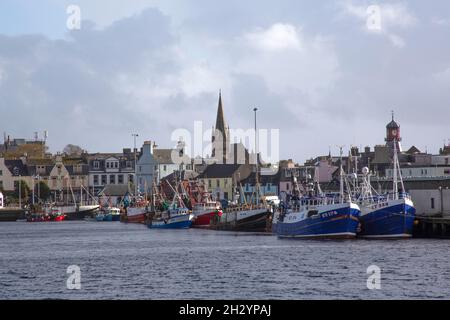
point(344, 224)
point(390, 222)
point(175, 225)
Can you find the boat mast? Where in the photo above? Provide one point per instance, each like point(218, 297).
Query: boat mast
point(257, 164)
point(394, 173)
point(341, 175)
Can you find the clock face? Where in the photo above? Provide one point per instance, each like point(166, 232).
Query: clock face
point(394, 132)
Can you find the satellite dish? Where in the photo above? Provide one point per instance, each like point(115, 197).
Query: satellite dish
point(365, 171)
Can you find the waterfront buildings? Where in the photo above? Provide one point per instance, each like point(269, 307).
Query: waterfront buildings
point(155, 164)
point(111, 169)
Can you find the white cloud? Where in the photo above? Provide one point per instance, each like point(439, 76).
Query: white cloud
point(396, 41)
point(393, 16)
point(290, 62)
point(279, 36)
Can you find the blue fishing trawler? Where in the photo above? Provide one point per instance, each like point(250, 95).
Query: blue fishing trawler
point(311, 214)
point(386, 216)
point(178, 218)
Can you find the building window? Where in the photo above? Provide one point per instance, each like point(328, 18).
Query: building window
point(1, 185)
point(129, 164)
point(225, 195)
point(120, 179)
point(446, 172)
point(107, 165)
point(209, 183)
point(446, 161)
point(288, 186)
point(165, 168)
point(112, 179)
point(95, 179)
point(104, 179)
point(131, 178)
point(140, 168)
point(218, 183)
point(432, 203)
point(156, 168)
point(1, 172)
point(54, 184)
point(96, 164)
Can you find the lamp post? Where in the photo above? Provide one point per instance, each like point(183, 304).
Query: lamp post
point(20, 192)
point(257, 164)
point(135, 135)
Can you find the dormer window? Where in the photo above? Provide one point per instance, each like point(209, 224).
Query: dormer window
point(96, 164)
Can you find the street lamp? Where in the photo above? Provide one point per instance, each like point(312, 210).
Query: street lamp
point(256, 153)
point(135, 135)
point(20, 192)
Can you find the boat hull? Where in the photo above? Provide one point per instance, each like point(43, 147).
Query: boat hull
point(181, 222)
point(243, 221)
point(335, 223)
point(204, 219)
point(395, 220)
point(74, 213)
point(135, 215)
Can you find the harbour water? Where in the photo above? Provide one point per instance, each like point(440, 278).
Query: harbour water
point(125, 261)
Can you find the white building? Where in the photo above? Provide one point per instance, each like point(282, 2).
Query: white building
point(155, 164)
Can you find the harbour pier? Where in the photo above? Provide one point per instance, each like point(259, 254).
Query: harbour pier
point(432, 227)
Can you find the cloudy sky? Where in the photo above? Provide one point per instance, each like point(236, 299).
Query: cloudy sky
point(325, 73)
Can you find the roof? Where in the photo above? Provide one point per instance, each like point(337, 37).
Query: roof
point(392, 125)
point(16, 167)
point(41, 162)
point(413, 150)
point(226, 171)
point(164, 156)
point(263, 179)
point(114, 190)
point(185, 175)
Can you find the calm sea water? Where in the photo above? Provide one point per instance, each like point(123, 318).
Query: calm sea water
point(120, 261)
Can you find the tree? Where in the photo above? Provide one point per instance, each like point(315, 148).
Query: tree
point(43, 191)
point(24, 190)
point(73, 150)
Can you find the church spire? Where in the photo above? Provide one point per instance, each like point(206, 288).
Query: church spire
point(220, 121)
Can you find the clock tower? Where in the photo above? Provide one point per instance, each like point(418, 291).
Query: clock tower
point(393, 134)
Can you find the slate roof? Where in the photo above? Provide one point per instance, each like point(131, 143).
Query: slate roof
point(115, 190)
point(16, 167)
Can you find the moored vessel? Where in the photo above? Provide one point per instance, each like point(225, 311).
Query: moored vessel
point(315, 215)
point(177, 218)
point(388, 216)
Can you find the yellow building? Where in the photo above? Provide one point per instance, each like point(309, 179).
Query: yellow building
point(220, 179)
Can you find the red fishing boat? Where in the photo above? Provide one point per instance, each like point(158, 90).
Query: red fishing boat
point(47, 215)
point(205, 212)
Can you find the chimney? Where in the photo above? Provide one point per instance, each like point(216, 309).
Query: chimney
point(147, 148)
